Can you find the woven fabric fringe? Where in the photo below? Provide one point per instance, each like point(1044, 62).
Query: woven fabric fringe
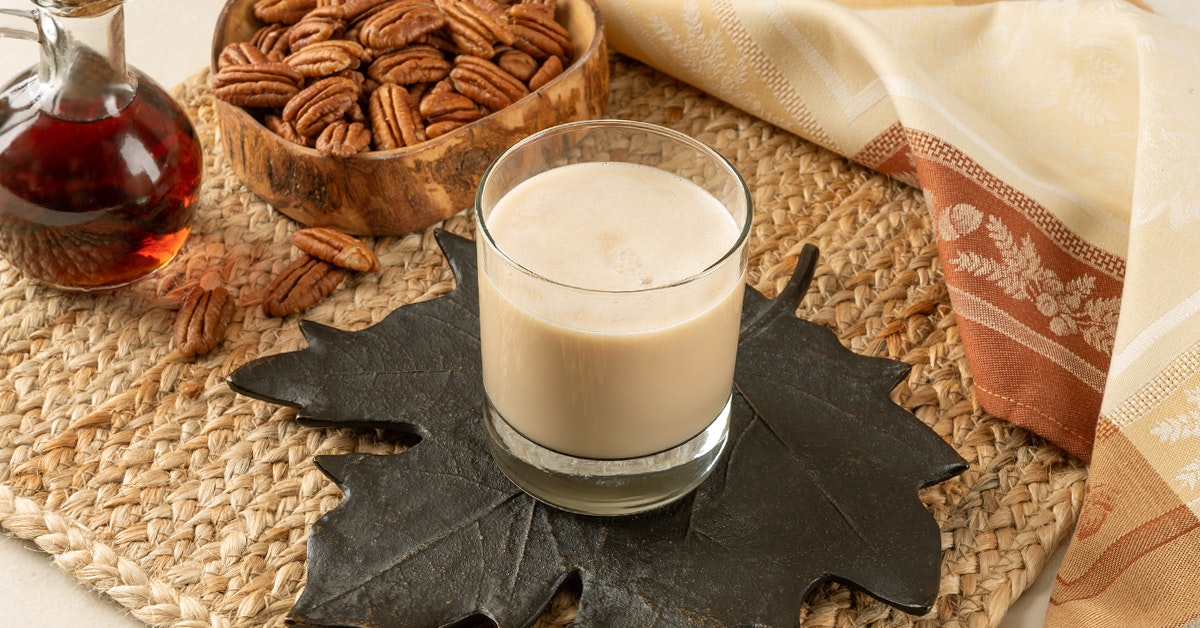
point(146, 478)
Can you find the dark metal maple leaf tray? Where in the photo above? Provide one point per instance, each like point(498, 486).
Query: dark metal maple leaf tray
point(819, 483)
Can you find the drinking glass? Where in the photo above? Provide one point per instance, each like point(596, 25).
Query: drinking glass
point(612, 259)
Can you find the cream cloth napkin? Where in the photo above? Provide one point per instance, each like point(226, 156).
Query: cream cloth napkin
point(1058, 146)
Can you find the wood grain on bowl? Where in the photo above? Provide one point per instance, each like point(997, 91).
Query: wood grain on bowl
point(392, 192)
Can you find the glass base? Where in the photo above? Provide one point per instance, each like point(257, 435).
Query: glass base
point(605, 487)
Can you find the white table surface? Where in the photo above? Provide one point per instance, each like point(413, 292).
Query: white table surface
point(170, 40)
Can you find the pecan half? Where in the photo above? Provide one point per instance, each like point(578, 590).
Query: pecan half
point(325, 58)
point(418, 91)
point(259, 85)
point(545, 8)
point(311, 30)
point(537, 33)
point(355, 12)
point(395, 119)
point(368, 88)
point(317, 105)
point(400, 23)
point(329, 8)
point(242, 53)
point(485, 82)
point(442, 127)
point(418, 63)
point(439, 41)
point(283, 11)
point(476, 25)
point(446, 106)
point(343, 139)
point(201, 321)
point(517, 63)
point(336, 247)
point(301, 285)
point(550, 69)
point(356, 114)
point(284, 129)
point(272, 41)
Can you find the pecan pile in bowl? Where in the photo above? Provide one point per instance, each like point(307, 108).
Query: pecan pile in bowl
point(348, 76)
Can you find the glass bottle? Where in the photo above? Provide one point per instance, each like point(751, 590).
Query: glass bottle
point(99, 167)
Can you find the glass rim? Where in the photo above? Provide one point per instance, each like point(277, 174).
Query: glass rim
point(743, 233)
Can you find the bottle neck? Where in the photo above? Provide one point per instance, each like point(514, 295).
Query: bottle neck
point(83, 75)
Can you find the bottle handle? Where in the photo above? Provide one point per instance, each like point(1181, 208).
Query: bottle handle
point(17, 33)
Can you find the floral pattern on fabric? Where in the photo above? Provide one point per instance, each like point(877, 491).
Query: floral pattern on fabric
point(1069, 305)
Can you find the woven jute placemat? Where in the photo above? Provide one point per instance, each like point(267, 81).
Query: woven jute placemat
point(147, 478)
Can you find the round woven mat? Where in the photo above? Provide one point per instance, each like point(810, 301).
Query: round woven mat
point(147, 478)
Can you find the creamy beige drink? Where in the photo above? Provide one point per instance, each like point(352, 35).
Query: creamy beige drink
point(602, 361)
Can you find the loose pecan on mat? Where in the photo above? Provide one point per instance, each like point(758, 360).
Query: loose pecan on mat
point(301, 285)
point(201, 321)
point(336, 247)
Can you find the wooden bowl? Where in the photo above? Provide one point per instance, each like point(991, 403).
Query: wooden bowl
point(398, 191)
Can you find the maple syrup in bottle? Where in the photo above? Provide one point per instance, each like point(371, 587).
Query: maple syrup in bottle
point(99, 167)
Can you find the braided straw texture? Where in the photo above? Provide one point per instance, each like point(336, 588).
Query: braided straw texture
point(145, 477)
